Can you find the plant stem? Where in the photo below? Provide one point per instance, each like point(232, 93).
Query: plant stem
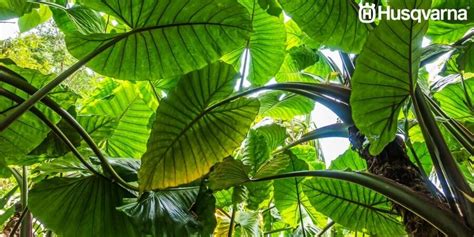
point(16, 81)
point(232, 219)
point(41, 93)
point(26, 227)
point(446, 161)
point(277, 230)
point(326, 228)
point(461, 133)
point(445, 221)
point(299, 200)
point(53, 128)
point(246, 52)
point(17, 224)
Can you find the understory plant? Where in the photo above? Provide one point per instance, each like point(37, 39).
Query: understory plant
point(196, 118)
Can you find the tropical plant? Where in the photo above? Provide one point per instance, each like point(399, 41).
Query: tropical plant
point(195, 118)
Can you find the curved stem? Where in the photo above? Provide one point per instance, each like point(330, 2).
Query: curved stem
point(334, 130)
point(41, 93)
point(326, 228)
point(441, 153)
point(443, 220)
point(53, 128)
point(21, 84)
point(17, 225)
point(462, 135)
point(232, 219)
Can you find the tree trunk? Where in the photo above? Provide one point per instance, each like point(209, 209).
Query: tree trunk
point(393, 163)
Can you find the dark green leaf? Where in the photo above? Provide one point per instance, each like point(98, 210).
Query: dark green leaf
point(172, 213)
point(81, 207)
point(14, 8)
point(228, 173)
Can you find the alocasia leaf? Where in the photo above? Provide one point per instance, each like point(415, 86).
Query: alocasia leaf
point(333, 23)
point(265, 47)
point(84, 206)
point(164, 38)
point(386, 74)
point(353, 206)
point(189, 134)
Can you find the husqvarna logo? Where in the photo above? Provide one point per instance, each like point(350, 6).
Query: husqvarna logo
point(369, 13)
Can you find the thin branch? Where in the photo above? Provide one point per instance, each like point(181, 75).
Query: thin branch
point(41, 93)
point(326, 228)
point(53, 128)
point(446, 163)
point(232, 219)
point(442, 219)
point(277, 230)
point(17, 225)
point(17, 81)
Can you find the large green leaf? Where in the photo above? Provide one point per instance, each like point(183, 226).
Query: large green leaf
point(228, 173)
point(332, 23)
point(78, 18)
point(458, 101)
point(441, 32)
point(423, 156)
point(14, 8)
point(34, 18)
point(246, 225)
point(128, 105)
point(297, 59)
point(349, 160)
point(284, 106)
point(274, 134)
point(266, 45)
point(165, 38)
point(256, 154)
point(386, 75)
point(296, 37)
point(28, 132)
point(172, 213)
point(292, 204)
point(82, 206)
point(353, 206)
point(188, 135)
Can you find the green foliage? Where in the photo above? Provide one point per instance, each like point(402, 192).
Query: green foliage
point(333, 23)
point(265, 47)
point(189, 135)
point(212, 30)
point(384, 81)
point(161, 139)
point(14, 8)
point(93, 199)
point(457, 100)
point(173, 213)
point(345, 202)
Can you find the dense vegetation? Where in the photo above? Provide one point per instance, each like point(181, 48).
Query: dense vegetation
point(196, 118)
